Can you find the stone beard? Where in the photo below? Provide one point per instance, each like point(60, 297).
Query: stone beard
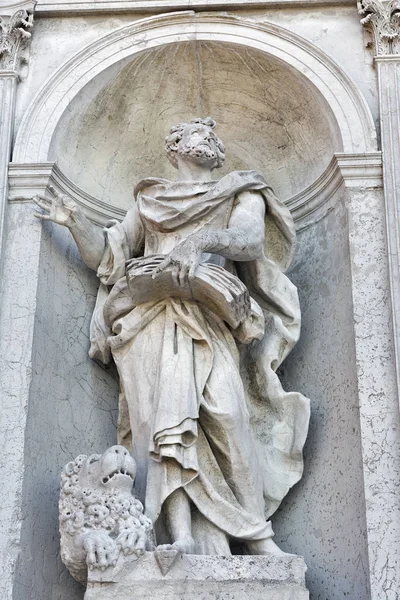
point(201, 152)
point(194, 272)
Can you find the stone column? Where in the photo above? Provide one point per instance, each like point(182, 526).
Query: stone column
point(377, 318)
point(383, 19)
point(15, 28)
point(389, 103)
point(376, 381)
point(15, 23)
point(8, 84)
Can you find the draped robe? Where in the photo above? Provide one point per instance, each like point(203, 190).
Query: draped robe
point(195, 415)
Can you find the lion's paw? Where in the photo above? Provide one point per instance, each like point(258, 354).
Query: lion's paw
point(131, 541)
point(101, 550)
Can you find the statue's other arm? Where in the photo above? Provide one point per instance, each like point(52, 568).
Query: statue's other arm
point(242, 240)
point(64, 211)
point(244, 237)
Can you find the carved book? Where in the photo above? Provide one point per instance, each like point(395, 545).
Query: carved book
point(216, 288)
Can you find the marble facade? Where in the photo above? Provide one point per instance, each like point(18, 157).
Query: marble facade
point(308, 95)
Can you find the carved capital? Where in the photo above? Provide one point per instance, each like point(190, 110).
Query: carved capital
point(15, 31)
point(384, 19)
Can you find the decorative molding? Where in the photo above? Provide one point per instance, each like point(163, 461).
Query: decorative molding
point(384, 18)
point(60, 7)
point(307, 207)
point(9, 8)
point(25, 181)
point(5, 73)
point(16, 20)
point(363, 171)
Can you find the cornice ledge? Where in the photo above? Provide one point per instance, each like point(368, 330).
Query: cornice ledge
point(27, 180)
point(361, 170)
point(307, 207)
point(59, 7)
point(317, 200)
point(395, 58)
point(313, 203)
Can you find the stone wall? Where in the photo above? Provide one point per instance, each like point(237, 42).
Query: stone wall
point(72, 403)
point(323, 517)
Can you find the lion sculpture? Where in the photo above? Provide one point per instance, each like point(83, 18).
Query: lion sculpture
point(99, 516)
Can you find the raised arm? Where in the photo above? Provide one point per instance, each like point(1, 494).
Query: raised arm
point(242, 240)
point(64, 211)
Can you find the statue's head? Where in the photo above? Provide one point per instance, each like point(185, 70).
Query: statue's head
point(197, 142)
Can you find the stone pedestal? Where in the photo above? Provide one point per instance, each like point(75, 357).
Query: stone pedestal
point(202, 578)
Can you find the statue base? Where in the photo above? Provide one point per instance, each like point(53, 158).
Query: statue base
point(200, 577)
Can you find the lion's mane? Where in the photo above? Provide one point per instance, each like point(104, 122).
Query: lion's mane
point(84, 507)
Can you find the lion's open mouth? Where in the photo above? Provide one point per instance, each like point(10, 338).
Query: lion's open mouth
point(115, 473)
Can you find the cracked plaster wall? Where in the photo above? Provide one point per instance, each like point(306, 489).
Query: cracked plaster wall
point(72, 407)
point(378, 393)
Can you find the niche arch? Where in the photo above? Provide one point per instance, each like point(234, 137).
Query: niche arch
point(349, 108)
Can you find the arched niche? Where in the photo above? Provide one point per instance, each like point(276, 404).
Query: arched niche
point(351, 114)
point(288, 117)
point(269, 116)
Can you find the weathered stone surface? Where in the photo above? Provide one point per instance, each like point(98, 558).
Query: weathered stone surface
point(172, 325)
point(50, 392)
point(202, 578)
point(99, 516)
point(345, 358)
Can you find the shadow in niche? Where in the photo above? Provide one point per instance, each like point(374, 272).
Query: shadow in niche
point(268, 114)
point(323, 516)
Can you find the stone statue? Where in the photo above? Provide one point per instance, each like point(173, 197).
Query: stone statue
point(196, 312)
point(99, 517)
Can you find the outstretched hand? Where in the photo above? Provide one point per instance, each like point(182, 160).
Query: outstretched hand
point(60, 208)
point(184, 259)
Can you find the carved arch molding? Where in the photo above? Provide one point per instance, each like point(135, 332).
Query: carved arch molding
point(354, 157)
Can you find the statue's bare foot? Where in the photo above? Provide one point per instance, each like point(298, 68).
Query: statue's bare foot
point(266, 547)
point(184, 545)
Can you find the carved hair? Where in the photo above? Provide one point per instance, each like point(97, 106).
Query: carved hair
point(176, 133)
